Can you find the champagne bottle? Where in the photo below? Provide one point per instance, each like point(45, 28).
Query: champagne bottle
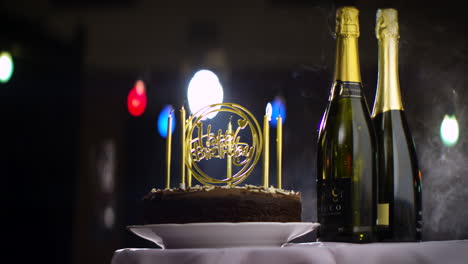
point(346, 164)
point(399, 183)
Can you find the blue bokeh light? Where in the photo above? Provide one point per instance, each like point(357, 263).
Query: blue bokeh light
point(162, 120)
point(279, 108)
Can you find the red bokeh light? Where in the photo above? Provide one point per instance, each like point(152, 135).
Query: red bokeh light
point(136, 100)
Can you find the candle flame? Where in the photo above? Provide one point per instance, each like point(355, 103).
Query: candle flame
point(268, 110)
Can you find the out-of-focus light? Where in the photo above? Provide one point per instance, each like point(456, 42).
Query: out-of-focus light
point(140, 87)
point(136, 100)
point(204, 89)
point(6, 66)
point(163, 120)
point(449, 130)
point(278, 108)
point(109, 217)
point(105, 162)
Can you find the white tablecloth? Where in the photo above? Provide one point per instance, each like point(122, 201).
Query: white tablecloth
point(440, 252)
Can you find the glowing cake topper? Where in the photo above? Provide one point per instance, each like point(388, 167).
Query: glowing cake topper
point(201, 143)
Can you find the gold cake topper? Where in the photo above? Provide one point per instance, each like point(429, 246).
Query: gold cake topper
point(208, 144)
point(387, 23)
point(347, 22)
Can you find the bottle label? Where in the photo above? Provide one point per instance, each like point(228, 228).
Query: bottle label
point(350, 89)
point(382, 214)
point(346, 90)
point(334, 206)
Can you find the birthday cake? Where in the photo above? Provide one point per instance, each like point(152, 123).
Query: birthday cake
point(221, 204)
point(222, 200)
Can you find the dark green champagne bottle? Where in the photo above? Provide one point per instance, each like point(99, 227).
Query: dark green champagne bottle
point(399, 180)
point(346, 178)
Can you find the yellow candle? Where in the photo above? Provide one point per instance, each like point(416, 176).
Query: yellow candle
point(279, 151)
point(168, 151)
point(182, 146)
point(229, 150)
point(189, 156)
point(266, 145)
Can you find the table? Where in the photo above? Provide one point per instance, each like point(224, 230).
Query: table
point(440, 252)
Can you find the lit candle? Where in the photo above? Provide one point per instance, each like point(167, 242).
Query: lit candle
point(266, 144)
point(168, 150)
point(183, 154)
point(279, 151)
point(229, 150)
point(189, 155)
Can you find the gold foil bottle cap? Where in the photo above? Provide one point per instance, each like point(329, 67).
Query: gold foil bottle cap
point(347, 21)
point(387, 23)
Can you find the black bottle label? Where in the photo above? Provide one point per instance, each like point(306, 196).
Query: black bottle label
point(334, 206)
point(337, 222)
point(346, 90)
point(349, 89)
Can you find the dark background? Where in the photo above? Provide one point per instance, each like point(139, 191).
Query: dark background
point(75, 163)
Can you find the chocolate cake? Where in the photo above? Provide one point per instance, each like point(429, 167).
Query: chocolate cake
point(221, 204)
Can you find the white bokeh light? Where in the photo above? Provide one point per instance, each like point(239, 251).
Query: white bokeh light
point(109, 217)
point(449, 130)
point(6, 66)
point(204, 89)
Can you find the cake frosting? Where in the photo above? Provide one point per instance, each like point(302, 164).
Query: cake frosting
point(197, 204)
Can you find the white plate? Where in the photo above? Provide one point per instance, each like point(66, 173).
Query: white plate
point(222, 235)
